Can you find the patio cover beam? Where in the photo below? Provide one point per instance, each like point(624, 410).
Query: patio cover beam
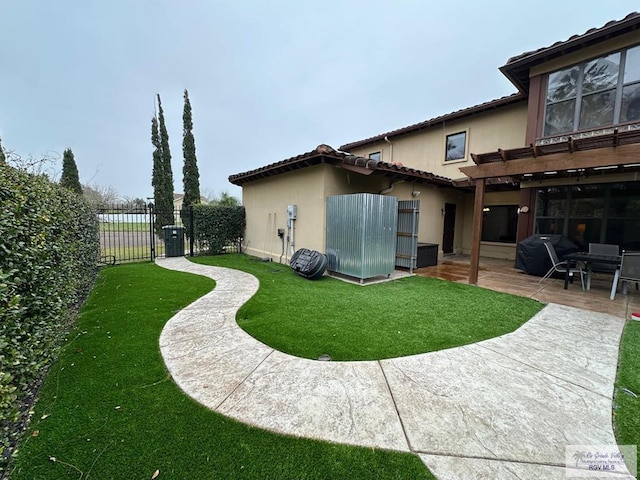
point(578, 160)
point(476, 232)
point(598, 157)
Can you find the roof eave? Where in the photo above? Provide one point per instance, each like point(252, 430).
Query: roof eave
point(524, 62)
point(459, 114)
point(282, 167)
point(339, 159)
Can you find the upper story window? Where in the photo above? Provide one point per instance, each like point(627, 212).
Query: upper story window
point(456, 146)
point(376, 156)
point(596, 93)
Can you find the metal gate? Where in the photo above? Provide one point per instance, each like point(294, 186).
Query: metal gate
point(129, 234)
point(407, 242)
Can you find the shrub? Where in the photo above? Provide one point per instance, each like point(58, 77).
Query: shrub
point(48, 255)
point(218, 226)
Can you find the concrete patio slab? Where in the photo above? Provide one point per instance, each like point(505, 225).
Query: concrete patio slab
point(503, 408)
point(472, 402)
point(345, 402)
point(456, 468)
point(209, 368)
point(584, 358)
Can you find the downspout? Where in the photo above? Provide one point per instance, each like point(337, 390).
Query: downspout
point(281, 235)
point(293, 243)
point(386, 139)
point(392, 184)
point(390, 189)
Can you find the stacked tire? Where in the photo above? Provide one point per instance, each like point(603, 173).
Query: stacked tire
point(309, 264)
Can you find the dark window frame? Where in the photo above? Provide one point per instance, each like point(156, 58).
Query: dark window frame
point(507, 232)
point(581, 98)
point(450, 146)
point(377, 156)
point(590, 213)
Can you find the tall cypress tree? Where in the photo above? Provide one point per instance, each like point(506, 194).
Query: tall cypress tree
point(164, 203)
point(70, 178)
point(157, 174)
point(3, 158)
point(190, 174)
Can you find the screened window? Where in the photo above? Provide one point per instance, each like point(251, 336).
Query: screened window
point(499, 223)
point(456, 146)
point(608, 213)
point(596, 93)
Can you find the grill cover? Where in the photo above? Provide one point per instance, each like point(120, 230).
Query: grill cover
point(532, 256)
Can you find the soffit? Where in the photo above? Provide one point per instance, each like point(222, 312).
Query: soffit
point(438, 121)
point(324, 154)
point(564, 157)
point(517, 68)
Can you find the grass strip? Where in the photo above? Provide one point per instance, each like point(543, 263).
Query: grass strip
point(627, 399)
point(352, 322)
point(121, 225)
point(108, 409)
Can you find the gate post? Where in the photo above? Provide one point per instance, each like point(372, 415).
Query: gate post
point(191, 230)
point(152, 237)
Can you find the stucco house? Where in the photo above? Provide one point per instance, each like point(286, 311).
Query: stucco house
point(559, 156)
point(178, 200)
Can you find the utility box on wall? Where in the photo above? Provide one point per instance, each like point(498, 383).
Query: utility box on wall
point(361, 234)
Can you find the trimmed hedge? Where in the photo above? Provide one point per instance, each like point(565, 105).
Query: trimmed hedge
point(49, 250)
point(217, 226)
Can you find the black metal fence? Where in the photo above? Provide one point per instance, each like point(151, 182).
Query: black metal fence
point(129, 234)
point(132, 234)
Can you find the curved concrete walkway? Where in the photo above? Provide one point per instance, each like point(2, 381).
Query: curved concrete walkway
point(503, 408)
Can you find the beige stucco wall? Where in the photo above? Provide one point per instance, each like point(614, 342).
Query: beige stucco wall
point(489, 249)
point(266, 203)
point(425, 150)
point(266, 200)
point(594, 51)
point(432, 198)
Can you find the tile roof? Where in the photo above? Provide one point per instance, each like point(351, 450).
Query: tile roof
point(517, 68)
point(465, 112)
point(326, 154)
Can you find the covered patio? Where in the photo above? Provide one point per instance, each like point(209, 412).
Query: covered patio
point(501, 276)
point(593, 157)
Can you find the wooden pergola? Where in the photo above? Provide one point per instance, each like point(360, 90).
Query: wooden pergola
point(566, 157)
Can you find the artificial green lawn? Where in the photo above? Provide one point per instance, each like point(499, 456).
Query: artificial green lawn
point(627, 412)
point(108, 409)
point(352, 322)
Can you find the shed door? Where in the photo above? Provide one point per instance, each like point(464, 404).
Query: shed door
point(407, 242)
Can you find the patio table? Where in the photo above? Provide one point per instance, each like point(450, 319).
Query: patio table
point(589, 259)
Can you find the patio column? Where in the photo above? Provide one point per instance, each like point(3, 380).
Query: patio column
point(476, 231)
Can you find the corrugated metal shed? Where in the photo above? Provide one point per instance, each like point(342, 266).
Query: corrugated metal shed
point(361, 234)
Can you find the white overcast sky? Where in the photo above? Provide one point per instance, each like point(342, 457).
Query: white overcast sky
point(267, 79)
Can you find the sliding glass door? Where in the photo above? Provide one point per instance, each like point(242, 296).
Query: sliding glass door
point(601, 213)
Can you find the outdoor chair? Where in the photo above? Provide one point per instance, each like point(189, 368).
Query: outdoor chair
point(603, 249)
point(558, 266)
point(629, 271)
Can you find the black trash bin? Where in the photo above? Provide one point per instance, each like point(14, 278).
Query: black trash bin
point(173, 240)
